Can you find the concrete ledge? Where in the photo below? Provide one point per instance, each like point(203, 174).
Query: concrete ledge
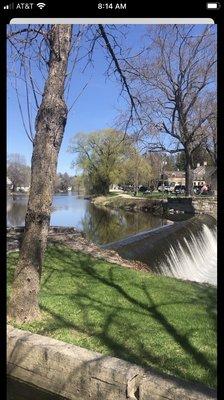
point(79, 374)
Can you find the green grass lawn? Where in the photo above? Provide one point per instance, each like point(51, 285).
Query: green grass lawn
point(146, 319)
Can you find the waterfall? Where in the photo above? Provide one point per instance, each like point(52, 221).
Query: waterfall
point(195, 259)
point(185, 249)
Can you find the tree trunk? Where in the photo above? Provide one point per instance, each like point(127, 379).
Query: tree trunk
point(188, 175)
point(136, 185)
point(104, 187)
point(49, 125)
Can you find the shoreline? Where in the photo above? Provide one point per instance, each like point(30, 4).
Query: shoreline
point(129, 203)
point(159, 207)
point(75, 240)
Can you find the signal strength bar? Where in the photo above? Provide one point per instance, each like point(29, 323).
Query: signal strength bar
point(9, 6)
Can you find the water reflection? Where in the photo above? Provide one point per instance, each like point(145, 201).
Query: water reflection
point(16, 210)
point(102, 225)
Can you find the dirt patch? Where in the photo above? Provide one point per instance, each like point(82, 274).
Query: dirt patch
point(76, 241)
point(83, 245)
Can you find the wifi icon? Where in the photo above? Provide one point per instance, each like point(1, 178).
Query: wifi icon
point(41, 5)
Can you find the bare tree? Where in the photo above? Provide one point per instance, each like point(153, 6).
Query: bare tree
point(211, 132)
point(173, 81)
point(48, 48)
point(49, 124)
point(17, 171)
point(63, 182)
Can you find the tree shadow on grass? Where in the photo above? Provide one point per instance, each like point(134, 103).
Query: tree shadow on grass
point(208, 296)
point(87, 303)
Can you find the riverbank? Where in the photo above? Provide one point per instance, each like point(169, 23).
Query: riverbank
point(158, 206)
point(130, 203)
point(75, 240)
point(149, 320)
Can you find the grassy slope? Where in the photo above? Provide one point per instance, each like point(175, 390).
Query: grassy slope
point(149, 320)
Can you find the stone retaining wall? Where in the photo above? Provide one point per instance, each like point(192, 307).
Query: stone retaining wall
point(80, 374)
point(205, 205)
point(194, 205)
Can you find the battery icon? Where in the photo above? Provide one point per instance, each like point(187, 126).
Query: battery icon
point(213, 6)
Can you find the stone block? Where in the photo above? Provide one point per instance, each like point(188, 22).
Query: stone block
point(76, 373)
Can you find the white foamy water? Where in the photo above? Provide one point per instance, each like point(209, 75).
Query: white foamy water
point(199, 263)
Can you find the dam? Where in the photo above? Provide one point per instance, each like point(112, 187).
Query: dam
point(185, 250)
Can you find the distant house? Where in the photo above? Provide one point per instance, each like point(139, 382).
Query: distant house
point(205, 174)
point(202, 174)
point(199, 174)
point(172, 178)
point(211, 178)
point(175, 177)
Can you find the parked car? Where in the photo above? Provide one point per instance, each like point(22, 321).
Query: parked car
point(143, 188)
point(197, 189)
point(180, 189)
point(206, 190)
point(165, 188)
point(127, 188)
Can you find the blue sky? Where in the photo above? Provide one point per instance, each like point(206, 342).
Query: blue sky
point(95, 109)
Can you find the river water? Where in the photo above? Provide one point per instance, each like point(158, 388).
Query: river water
point(101, 225)
point(189, 253)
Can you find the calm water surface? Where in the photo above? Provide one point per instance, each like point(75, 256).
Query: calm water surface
point(101, 225)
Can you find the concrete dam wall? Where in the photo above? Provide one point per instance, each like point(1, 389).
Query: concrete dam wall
point(185, 249)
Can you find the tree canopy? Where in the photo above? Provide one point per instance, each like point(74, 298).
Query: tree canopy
point(175, 82)
point(101, 155)
point(17, 170)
